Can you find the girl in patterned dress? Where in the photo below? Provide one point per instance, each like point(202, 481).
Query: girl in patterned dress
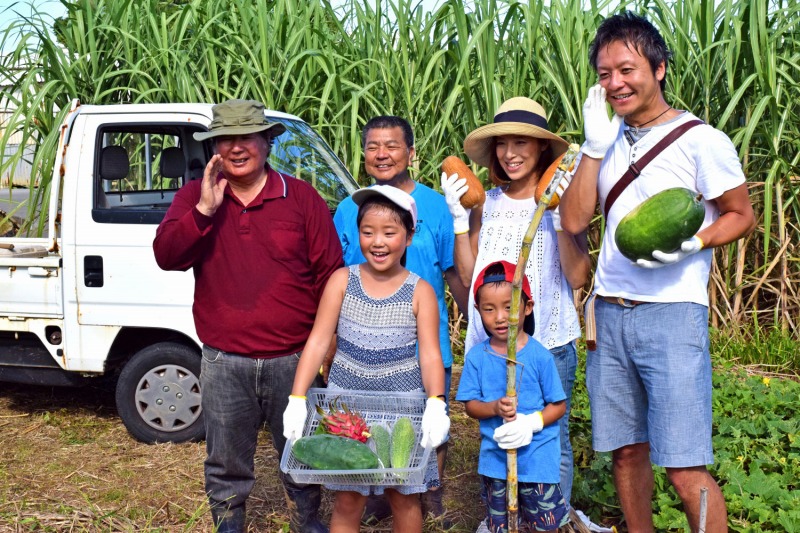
point(380, 313)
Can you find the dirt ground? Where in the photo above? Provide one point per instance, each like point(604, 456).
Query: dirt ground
point(67, 464)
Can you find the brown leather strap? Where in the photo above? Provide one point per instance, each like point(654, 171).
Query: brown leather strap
point(637, 167)
point(624, 302)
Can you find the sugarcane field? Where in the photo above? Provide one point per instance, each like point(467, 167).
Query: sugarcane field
point(399, 265)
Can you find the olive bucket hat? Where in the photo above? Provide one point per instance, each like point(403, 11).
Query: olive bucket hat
point(239, 117)
point(515, 116)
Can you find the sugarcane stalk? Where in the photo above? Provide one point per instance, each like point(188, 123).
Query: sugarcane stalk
point(512, 486)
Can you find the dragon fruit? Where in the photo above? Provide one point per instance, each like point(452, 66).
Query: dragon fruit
point(343, 422)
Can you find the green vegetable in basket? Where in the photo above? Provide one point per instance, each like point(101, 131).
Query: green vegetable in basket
point(330, 452)
point(403, 441)
point(380, 435)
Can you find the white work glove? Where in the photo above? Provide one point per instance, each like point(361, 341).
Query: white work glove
point(294, 417)
point(454, 188)
point(599, 130)
point(519, 432)
point(562, 186)
point(435, 423)
point(660, 259)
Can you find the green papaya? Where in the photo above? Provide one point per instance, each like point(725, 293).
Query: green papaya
point(380, 436)
point(662, 222)
point(403, 441)
point(331, 452)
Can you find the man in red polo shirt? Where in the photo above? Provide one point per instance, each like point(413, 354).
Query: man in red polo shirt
point(262, 246)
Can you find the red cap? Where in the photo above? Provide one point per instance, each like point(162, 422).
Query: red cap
point(508, 276)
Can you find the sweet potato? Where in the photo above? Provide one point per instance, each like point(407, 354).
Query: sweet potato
point(475, 194)
point(544, 180)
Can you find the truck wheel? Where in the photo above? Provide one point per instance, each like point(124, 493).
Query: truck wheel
point(158, 394)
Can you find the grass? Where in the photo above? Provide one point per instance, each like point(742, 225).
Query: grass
point(75, 468)
point(771, 351)
point(105, 481)
point(756, 441)
point(67, 464)
point(736, 65)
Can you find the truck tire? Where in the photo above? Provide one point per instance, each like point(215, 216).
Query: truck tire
point(158, 394)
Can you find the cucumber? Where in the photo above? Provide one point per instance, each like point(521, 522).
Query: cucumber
point(403, 441)
point(331, 452)
point(662, 222)
point(382, 440)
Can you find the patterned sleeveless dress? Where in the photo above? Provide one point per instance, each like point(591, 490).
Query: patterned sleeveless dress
point(376, 350)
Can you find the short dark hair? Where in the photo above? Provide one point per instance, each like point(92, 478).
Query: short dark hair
point(405, 217)
point(269, 137)
point(388, 121)
point(637, 33)
point(528, 325)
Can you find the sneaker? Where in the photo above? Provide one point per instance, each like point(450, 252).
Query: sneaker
point(591, 526)
point(482, 527)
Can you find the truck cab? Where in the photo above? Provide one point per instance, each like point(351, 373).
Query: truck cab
point(87, 299)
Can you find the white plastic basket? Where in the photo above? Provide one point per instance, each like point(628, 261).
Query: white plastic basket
point(377, 408)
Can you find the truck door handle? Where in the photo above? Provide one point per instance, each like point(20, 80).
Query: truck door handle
point(41, 272)
point(93, 271)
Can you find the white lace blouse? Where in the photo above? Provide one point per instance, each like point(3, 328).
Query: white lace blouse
point(503, 225)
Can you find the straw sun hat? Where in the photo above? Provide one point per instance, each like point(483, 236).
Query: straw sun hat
point(516, 116)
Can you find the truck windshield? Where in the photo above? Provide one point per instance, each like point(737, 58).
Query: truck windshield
point(140, 167)
point(301, 152)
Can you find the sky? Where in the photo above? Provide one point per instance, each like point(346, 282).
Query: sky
point(10, 8)
point(427, 5)
point(54, 7)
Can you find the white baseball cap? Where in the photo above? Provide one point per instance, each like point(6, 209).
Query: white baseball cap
point(400, 198)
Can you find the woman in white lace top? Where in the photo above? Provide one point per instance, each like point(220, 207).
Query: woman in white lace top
point(517, 147)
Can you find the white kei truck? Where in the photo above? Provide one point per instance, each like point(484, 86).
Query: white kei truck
point(87, 299)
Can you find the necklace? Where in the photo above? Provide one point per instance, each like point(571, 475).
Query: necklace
point(640, 126)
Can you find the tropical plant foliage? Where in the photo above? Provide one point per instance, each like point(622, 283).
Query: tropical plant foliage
point(756, 455)
point(736, 65)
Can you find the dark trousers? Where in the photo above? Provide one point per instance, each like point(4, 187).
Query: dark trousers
point(239, 395)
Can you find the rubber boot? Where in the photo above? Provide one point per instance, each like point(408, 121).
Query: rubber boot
point(228, 519)
point(433, 508)
point(432, 501)
point(376, 510)
point(303, 503)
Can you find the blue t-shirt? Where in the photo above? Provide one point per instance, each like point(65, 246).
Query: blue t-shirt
point(430, 253)
point(484, 379)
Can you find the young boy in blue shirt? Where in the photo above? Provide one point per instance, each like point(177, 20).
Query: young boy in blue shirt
point(528, 424)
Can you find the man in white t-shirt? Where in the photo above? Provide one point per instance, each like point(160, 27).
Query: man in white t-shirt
point(649, 379)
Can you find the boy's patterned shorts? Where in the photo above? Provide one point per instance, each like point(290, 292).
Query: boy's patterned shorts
point(541, 505)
